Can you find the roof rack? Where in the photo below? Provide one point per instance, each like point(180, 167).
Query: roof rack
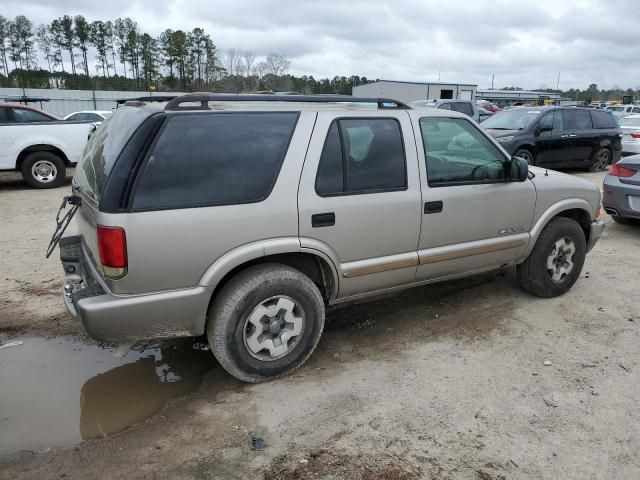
point(175, 104)
point(137, 101)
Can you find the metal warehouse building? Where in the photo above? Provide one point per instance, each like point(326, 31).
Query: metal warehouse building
point(410, 91)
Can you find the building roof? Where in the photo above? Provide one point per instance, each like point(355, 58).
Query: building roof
point(419, 83)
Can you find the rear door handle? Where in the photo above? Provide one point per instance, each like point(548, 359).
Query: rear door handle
point(433, 207)
point(564, 136)
point(573, 135)
point(319, 220)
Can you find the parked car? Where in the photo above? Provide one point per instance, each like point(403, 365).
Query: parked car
point(624, 110)
point(243, 217)
point(39, 145)
point(558, 136)
point(631, 134)
point(97, 116)
point(621, 190)
point(463, 106)
point(483, 114)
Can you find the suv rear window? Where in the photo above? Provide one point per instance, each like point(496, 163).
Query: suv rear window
point(103, 148)
point(602, 120)
point(215, 159)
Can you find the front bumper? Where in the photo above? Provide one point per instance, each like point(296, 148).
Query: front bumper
point(123, 318)
point(595, 232)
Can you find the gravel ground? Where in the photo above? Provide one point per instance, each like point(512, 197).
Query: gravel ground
point(441, 382)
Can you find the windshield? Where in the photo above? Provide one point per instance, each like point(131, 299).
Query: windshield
point(630, 122)
point(103, 148)
point(516, 119)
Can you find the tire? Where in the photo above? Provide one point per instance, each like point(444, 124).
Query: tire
point(534, 274)
point(525, 154)
point(43, 170)
point(251, 298)
point(600, 160)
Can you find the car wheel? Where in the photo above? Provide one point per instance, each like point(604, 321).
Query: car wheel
point(555, 262)
point(526, 155)
point(43, 170)
point(600, 160)
point(265, 322)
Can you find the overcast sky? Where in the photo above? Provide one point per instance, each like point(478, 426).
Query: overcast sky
point(523, 42)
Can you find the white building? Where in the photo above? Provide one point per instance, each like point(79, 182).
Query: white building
point(410, 91)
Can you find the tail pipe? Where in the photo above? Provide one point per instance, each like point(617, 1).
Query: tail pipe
point(612, 211)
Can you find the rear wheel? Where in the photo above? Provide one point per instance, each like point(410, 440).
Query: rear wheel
point(600, 160)
point(43, 170)
point(555, 262)
point(526, 155)
point(265, 322)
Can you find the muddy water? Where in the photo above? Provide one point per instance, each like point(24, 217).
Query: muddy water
point(58, 392)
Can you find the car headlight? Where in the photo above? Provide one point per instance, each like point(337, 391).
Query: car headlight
point(506, 139)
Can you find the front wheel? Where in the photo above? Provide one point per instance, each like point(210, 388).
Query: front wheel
point(265, 322)
point(555, 262)
point(43, 170)
point(525, 155)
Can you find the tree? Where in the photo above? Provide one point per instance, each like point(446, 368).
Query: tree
point(132, 46)
point(198, 43)
point(233, 62)
point(46, 45)
point(23, 45)
point(68, 37)
point(168, 51)
point(111, 44)
point(277, 64)
point(4, 39)
point(248, 59)
point(99, 37)
point(58, 39)
point(149, 54)
point(120, 37)
point(82, 32)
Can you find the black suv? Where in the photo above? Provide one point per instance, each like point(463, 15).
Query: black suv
point(558, 136)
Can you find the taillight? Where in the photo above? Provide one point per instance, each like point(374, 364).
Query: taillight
point(620, 171)
point(635, 135)
point(112, 243)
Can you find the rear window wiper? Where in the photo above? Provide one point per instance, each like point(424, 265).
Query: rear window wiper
point(63, 223)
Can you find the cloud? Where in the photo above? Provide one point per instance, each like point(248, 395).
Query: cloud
point(524, 43)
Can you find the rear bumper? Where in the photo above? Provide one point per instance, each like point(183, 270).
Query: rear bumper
point(595, 232)
point(621, 199)
point(120, 318)
point(630, 148)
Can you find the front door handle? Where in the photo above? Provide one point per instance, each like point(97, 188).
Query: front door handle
point(433, 207)
point(573, 135)
point(319, 220)
point(564, 136)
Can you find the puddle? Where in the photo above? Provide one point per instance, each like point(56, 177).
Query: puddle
point(57, 392)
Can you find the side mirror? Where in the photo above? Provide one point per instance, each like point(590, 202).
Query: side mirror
point(541, 128)
point(519, 169)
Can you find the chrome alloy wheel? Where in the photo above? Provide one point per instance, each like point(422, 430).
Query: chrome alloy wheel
point(273, 328)
point(44, 171)
point(560, 260)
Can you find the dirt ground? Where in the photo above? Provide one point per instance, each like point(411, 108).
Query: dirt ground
point(440, 382)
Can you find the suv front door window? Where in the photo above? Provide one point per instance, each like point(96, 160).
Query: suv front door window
point(552, 145)
point(473, 217)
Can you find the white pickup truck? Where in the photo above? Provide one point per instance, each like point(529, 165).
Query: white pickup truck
point(39, 145)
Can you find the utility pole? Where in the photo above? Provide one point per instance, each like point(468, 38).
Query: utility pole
point(492, 76)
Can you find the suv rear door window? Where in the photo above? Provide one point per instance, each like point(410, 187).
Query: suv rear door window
point(463, 107)
point(362, 156)
point(577, 120)
point(602, 120)
point(215, 159)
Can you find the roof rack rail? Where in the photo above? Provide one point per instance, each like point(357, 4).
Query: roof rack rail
point(204, 98)
point(136, 101)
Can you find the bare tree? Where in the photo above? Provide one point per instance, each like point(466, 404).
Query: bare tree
point(248, 59)
point(4, 38)
point(277, 64)
point(233, 62)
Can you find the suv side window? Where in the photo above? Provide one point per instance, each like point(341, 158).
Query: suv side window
point(463, 107)
point(458, 153)
point(603, 119)
point(445, 106)
point(214, 159)
point(362, 156)
point(24, 115)
point(5, 115)
point(577, 119)
point(552, 120)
